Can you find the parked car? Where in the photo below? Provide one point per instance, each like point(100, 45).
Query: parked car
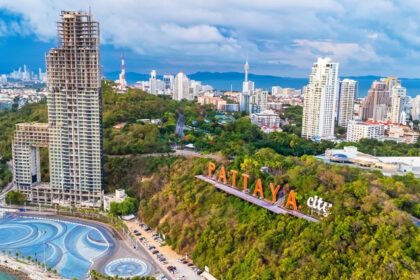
point(181, 260)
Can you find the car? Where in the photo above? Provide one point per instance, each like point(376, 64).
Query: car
point(181, 277)
point(181, 260)
point(155, 234)
point(199, 272)
point(161, 277)
point(137, 234)
point(185, 262)
point(165, 262)
point(154, 252)
point(190, 264)
point(135, 231)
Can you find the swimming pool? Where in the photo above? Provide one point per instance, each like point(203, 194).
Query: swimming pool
point(68, 247)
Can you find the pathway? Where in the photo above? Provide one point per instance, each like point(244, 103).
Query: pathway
point(255, 200)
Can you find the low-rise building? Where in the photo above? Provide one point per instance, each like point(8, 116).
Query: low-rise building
point(118, 197)
point(267, 118)
point(218, 102)
point(357, 130)
point(403, 133)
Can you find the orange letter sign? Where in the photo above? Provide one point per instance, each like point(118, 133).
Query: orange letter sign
point(212, 167)
point(234, 173)
point(291, 200)
point(222, 175)
point(258, 188)
point(246, 176)
point(274, 191)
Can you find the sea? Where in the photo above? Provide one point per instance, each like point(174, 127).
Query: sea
point(6, 276)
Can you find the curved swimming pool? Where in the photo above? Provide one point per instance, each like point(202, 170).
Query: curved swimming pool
point(66, 246)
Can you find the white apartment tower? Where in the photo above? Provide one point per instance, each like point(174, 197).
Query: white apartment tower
point(74, 119)
point(152, 83)
point(398, 103)
point(347, 94)
point(320, 97)
point(182, 88)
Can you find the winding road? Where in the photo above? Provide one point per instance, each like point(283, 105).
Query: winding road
point(8, 188)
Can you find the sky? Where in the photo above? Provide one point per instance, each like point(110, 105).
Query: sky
point(279, 37)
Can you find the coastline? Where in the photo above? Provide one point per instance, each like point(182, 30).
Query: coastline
point(14, 273)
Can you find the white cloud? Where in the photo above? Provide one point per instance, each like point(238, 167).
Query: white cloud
point(281, 32)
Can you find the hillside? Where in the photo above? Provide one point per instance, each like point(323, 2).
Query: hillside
point(365, 237)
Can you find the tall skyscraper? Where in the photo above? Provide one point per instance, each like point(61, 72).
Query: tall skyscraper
point(247, 91)
point(378, 94)
point(74, 120)
point(346, 96)
point(182, 88)
point(398, 103)
point(152, 82)
point(319, 101)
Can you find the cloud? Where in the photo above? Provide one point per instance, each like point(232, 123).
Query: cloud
point(279, 36)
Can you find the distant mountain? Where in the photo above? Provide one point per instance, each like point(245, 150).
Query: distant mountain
point(224, 81)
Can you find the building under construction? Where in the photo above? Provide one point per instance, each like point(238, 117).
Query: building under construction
point(74, 117)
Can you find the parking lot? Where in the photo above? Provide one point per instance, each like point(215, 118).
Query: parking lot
point(179, 267)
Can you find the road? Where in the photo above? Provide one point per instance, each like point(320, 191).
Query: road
point(178, 152)
point(180, 125)
point(8, 188)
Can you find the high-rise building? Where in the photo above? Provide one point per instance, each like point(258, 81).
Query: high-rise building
point(247, 91)
point(169, 82)
point(258, 101)
point(358, 130)
point(346, 96)
point(398, 103)
point(276, 91)
point(320, 97)
point(415, 108)
point(74, 121)
point(152, 83)
point(377, 94)
point(182, 88)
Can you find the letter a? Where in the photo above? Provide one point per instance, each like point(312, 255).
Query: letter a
point(212, 167)
point(258, 188)
point(222, 175)
point(274, 191)
point(291, 200)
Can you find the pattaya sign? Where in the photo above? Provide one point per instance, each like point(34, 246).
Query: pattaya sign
point(321, 207)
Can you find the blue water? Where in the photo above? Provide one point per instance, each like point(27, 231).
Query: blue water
point(67, 247)
point(5, 276)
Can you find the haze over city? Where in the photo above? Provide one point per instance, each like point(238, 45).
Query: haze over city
point(281, 38)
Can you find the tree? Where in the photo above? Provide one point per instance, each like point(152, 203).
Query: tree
point(15, 197)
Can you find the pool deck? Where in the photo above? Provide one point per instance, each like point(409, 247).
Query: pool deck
point(121, 248)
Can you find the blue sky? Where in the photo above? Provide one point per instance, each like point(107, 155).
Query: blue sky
point(284, 38)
